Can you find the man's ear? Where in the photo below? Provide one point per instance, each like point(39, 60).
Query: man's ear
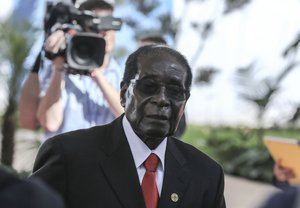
point(124, 87)
point(188, 94)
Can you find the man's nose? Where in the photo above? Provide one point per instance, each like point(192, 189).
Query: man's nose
point(161, 98)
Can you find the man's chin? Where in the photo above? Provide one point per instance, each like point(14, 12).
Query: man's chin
point(153, 129)
point(153, 139)
point(156, 134)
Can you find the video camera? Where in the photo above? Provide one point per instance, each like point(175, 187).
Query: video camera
point(84, 49)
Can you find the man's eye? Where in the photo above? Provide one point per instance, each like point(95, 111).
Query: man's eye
point(148, 86)
point(174, 90)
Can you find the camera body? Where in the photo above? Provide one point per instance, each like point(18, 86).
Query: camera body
point(84, 49)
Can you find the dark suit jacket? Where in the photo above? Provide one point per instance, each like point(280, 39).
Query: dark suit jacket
point(19, 193)
point(288, 198)
point(95, 168)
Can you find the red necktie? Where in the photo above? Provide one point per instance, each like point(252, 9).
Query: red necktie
point(149, 187)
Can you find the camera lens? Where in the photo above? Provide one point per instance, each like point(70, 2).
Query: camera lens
point(85, 51)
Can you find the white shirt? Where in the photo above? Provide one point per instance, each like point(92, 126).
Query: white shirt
point(141, 152)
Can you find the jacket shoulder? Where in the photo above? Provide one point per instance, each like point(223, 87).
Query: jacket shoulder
point(82, 140)
point(195, 157)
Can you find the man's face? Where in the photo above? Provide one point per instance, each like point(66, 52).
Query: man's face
point(154, 101)
point(108, 35)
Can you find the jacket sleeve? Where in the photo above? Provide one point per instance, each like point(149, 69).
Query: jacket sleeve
point(50, 166)
point(220, 200)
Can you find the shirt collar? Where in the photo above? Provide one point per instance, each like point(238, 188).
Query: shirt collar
point(139, 149)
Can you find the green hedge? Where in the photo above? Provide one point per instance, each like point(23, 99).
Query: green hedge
point(239, 150)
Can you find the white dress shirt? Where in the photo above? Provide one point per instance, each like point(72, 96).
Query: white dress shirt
point(141, 152)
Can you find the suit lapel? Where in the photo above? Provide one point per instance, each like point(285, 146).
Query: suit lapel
point(120, 170)
point(176, 177)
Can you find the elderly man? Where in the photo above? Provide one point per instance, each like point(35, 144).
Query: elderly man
point(135, 161)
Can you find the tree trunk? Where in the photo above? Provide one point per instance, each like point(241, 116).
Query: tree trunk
point(8, 133)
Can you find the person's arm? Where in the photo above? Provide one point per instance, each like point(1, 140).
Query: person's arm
point(50, 109)
point(29, 101)
point(111, 95)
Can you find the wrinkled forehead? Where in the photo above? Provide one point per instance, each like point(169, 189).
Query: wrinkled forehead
point(157, 60)
point(161, 65)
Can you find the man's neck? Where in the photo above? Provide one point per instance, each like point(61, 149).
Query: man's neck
point(151, 143)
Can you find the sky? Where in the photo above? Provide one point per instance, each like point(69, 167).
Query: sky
point(258, 33)
point(126, 36)
point(6, 8)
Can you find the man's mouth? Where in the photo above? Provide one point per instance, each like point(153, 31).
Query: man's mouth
point(158, 117)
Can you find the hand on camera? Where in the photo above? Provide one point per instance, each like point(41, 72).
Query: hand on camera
point(97, 72)
point(55, 42)
point(283, 174)
point(53, 45)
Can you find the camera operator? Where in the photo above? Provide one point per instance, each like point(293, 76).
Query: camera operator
point(72, 101)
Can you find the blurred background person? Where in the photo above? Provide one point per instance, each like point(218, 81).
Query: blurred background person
point(151, 39)
point(30, 193)
point(72, 101)
point(287, 199)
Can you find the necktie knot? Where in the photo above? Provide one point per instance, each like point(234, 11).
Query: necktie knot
point(151, 162)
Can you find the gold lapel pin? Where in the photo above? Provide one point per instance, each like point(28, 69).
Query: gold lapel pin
point(174, 197)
